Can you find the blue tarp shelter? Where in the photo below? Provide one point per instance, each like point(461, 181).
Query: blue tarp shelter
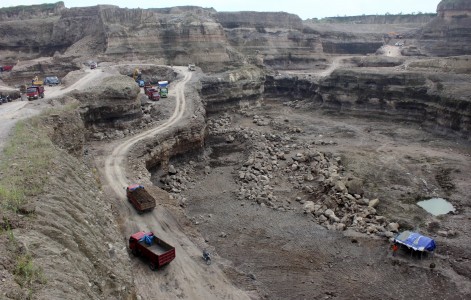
point(415, 241)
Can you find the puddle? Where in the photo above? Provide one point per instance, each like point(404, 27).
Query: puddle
point(436, 206)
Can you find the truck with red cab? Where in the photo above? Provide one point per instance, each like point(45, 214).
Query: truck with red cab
point(35, 92)
point(154, 95)
point(148, 246)
point(6, 68)
point(140, 198)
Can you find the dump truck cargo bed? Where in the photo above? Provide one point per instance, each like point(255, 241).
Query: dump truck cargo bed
point(156, 251)
point(140, 198)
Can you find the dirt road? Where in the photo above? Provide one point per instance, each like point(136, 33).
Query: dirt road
point(14, 111)
point(187, 277)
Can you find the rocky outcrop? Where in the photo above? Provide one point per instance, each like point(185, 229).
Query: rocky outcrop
point(431, 99)
point(114, 105)
point(450, 33)
point(232, 89)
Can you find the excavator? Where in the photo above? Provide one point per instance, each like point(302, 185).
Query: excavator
point(136, 75)
point(36, 81)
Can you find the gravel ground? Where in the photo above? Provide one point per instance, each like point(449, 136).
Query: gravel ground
point(282, 252)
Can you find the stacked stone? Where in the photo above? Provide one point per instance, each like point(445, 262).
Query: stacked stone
point(326, 192)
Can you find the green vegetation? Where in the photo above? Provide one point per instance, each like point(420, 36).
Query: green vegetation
point(26, 273)
point(26, 160)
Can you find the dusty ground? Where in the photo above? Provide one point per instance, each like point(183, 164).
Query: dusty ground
point(283, 253)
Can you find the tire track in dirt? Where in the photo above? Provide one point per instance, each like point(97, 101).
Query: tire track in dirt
point(187, 277)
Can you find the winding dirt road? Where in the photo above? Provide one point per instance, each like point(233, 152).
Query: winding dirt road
point(187, 277)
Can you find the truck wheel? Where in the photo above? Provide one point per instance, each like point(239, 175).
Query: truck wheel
point(152, 266)
point(135, 252)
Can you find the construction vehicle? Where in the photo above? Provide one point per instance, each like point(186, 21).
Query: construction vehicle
point(148, 89)
point(36, 81)
point(148, 246)
point(140, 198)
point(35, 92)
point(191, 67)
point(136, 75)
point(153, 94)
point(6, 68)
point(163, 88)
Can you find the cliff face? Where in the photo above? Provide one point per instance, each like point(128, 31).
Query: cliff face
point(433, 99)
point(177, 36)
point(232, 89)
point(216, 40)
point(450, 33)
point(114, 105)
point(44, 35)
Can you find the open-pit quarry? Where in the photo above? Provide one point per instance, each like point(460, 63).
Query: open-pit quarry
point(295, 153)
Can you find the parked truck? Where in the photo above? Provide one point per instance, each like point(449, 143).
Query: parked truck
point(191, 67)
point(6, 68)
point(163, 87)
point(148, 246)
point(35, 92)
point(140, 198)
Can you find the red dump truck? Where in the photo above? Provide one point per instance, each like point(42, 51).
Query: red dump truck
point(35, 92)
point(140, 198)
point(154, 250)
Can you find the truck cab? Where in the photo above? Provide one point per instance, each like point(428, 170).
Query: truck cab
point(163, 88)
point(154, 95)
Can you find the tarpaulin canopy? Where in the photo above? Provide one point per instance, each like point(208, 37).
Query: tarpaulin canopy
point(163, 83)
point(415, 241)
point(135, 187)
point(147, 239)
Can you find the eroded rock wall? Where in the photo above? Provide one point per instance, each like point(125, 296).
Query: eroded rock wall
point(430, 99)
point(232, 89)
point(114, 105)
point(176, 36)
point(450, 33)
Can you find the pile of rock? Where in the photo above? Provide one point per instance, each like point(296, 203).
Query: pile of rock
point(317, 180)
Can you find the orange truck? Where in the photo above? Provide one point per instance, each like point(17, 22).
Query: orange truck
point(148, 246)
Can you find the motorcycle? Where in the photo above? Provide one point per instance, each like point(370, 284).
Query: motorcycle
point(207, 257)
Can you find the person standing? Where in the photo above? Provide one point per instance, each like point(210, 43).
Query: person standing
point(395, 247)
